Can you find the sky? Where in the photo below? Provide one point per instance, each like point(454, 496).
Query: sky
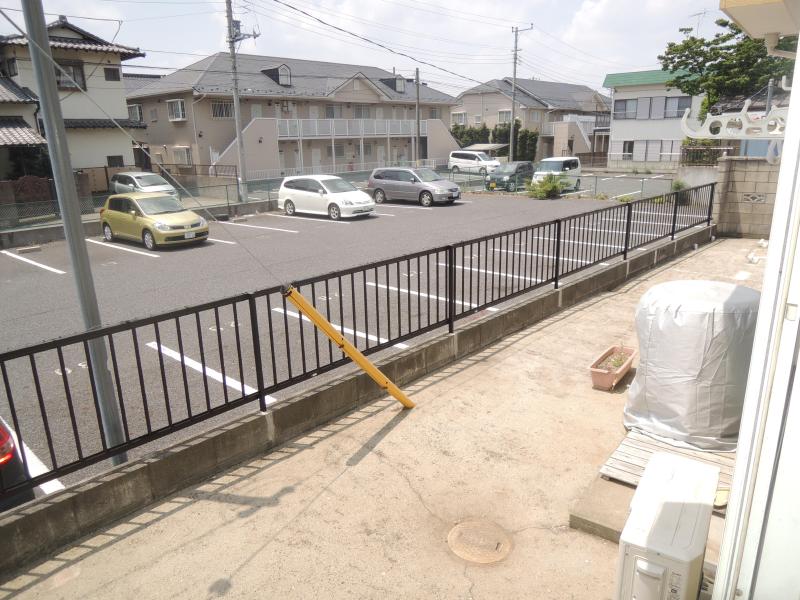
point(574, 41)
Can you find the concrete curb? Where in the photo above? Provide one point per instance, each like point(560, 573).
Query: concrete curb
point(31, 531)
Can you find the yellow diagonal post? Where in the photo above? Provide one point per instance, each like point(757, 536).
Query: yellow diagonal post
point(308, 310)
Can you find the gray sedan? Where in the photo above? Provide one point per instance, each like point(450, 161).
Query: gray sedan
point(425, 186)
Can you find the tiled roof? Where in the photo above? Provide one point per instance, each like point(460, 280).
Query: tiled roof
point(11, 92)
point(309, 79)
point(535, 93)
point(86, 41)
point(134, 81)
point(14, 131)
point(655, 77)
point(102, 124)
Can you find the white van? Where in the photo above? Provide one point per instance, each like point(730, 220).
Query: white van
point(570, 166)
point(470, 161)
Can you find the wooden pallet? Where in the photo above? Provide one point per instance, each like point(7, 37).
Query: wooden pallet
point(627, 462)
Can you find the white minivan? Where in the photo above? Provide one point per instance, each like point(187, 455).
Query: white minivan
point(323, 195)
point(569, 166)
point(470, 161)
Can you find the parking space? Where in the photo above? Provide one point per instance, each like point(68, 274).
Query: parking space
point(183, 366)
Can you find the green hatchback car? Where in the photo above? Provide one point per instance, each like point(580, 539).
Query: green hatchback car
point(151, 218)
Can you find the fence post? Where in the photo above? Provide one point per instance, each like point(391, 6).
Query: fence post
point(674, 212)
point(711, 202)
point(451, 288)
point(262, 400)
point(558, 253)
point(628, 221)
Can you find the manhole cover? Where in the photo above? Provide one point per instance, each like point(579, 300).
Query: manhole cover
point(479, 541)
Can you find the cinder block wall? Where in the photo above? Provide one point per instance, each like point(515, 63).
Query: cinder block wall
point(745, 196)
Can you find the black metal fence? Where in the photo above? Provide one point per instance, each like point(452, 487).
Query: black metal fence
point(703, 155)
point(174, 370)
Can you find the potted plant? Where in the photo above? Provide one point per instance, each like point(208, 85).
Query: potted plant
point(611, 366)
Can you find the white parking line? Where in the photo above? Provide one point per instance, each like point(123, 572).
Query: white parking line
point(656, 176)
point(32, 262)
point(392, 288)
point(35, 466)
point(259, 227)
point(609, 231)
point(477, 270)
point(463, 202)
point(581, 243)
point(618, 176)
point(221, 241)
point(606, 178)
point(411, 207)
point(625, 194)
point(583, 262)
point(123, 248)
point(383, 214)
point(341, 329)
point(211, 373)
point(306, 219)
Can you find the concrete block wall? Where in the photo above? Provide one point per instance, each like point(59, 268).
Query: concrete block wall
point(745, 196)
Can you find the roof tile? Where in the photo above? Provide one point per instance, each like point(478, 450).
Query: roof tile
point(15, 131)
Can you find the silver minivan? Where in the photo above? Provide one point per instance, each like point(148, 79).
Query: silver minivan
point(425, 186)
point(137, 181)
point(568, 167)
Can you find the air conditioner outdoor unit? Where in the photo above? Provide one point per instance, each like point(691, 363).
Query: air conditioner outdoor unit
point(662, 546)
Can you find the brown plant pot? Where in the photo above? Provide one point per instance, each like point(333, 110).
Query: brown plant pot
point(606, 379)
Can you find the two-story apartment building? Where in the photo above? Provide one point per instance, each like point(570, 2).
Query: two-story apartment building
point(296, 114)
point(94, 87)
point(646, 119)
point(570, 118)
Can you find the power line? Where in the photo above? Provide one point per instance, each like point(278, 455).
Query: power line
point(602, 60)
point(68, 16)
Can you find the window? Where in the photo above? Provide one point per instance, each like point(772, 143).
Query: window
point(115, 161)
point(367, 150)
point(222, 110)
point(459, 118)
point(535, 116)
point(676, 106)
point(176, 110)
point(643, 108)
point(478, 119)
point(435, 113)
point(625, 109)
point(135, 112)
point(333, 111)
point(182, 154)
point(627, 150)
point(284, 75)
point(400, 85)
point(111, 73)
point(504, 116)
point(10, 67)
point(70, 75)
point(154, 114)
point(657, 105)
point(339, 150)
point(361, 111)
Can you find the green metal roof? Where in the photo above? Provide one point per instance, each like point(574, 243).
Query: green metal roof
point(655, 77)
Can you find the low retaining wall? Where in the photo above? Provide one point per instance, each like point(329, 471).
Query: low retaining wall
point(31, 531)
point(745, 196)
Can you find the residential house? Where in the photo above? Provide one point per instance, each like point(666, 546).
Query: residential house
point(646, 119)
point(570, 118)
point(91, 93)
point(296, 115)
point(20, 142)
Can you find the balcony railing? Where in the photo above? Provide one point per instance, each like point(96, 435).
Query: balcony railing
point(348, 128)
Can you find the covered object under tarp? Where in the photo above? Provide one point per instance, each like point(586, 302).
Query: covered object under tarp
point(695, 339)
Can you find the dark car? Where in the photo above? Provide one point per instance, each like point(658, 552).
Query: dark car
point(12, 470)
point(510, 176)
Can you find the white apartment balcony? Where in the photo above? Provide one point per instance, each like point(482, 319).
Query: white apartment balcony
point(293, 129)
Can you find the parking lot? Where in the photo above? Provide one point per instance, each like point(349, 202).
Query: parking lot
point(191, 363)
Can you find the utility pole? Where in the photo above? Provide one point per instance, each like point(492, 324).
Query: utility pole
point(416, 153)
point(516, 31)
point(235, 35)
point(770, 93)
point(39, 46)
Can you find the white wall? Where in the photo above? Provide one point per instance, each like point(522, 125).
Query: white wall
point(90, 147)
point(649, 129)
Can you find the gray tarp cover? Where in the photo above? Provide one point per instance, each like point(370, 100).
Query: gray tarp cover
point(695, 339)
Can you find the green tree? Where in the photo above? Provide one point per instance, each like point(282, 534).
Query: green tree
point(728, 64)
point(466, 136)
point(501, 134)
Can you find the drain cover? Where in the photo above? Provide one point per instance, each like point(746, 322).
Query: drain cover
point(479, 541)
